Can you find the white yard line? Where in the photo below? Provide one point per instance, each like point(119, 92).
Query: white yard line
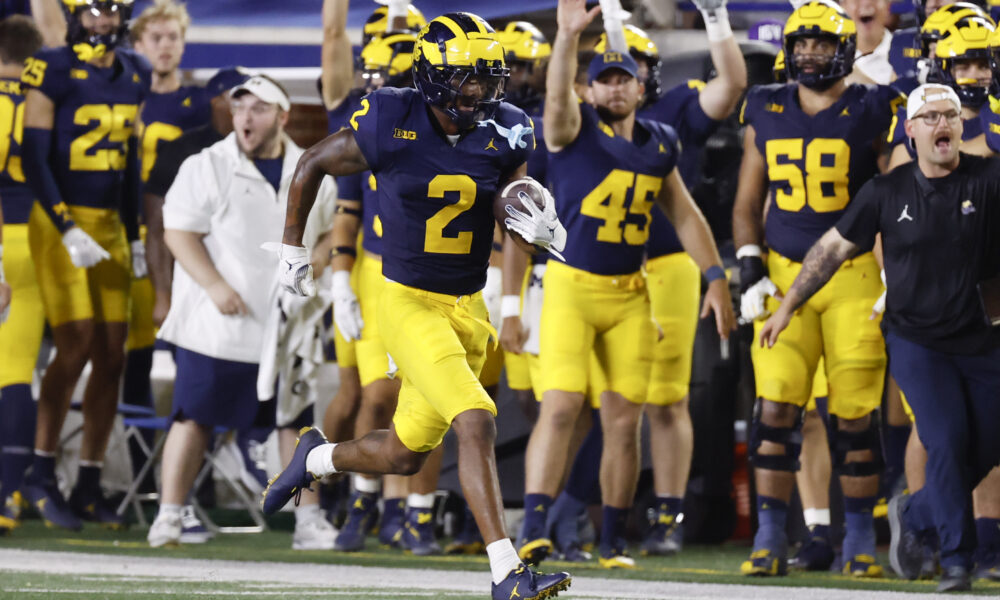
point(413, 581)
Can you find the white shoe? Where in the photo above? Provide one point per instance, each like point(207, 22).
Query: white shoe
point(193, 531)
point(314, 534)
point(165, 531)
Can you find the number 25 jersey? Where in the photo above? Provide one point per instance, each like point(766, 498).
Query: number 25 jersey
point(95, 114)
point(815, 164)
point(436, 200)
point(605, 186)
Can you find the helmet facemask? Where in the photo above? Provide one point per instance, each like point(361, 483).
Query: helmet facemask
point(442, 85)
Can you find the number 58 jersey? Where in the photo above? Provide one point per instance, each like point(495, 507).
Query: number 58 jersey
point(815, 164)
point(95, 114)
point(435, 198)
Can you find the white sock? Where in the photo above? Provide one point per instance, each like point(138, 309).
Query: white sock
point(319, 461)
point(816, 516)
point(306, 512)
point(170, 510)
point(365, 485)
point(92, 463)
point(420, 500)
point(503, 559)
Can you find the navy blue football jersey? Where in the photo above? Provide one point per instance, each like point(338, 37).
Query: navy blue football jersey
point(605, 187)
point(680, 109)
point(904, 52)
point(361, 187)
point(96, 110)
point(15, 195)
point(816, 163)
point(166, 116)
point(436, 200)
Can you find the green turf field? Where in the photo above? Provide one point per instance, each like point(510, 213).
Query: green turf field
point(697, 564)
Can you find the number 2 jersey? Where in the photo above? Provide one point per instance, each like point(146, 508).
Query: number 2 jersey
point(605, 187)
point(435, 199)
point(15, 195)
point(815, 164)
point(95, 114)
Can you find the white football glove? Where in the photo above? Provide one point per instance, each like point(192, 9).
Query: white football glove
point(295, 272)
point(139, 267)
point(752, 302)
point(346, 309)
point(879, 306)
point(492, 295)
point(83, 250)
point(539, 227)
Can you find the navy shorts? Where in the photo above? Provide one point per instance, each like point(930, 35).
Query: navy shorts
point(214, 392)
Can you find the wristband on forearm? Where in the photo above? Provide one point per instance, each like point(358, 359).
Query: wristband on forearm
point(510, 306)
point(348, 250)
point(714, 272)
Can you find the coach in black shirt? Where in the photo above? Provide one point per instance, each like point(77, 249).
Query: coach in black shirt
point(939, 218)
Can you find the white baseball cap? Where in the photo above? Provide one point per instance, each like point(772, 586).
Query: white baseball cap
point(930, 92)
point(265, 89)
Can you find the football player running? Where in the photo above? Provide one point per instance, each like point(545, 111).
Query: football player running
point(440, 153)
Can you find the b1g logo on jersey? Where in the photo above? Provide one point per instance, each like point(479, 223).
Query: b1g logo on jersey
point(404, 134)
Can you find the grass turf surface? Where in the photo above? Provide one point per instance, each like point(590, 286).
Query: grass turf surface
point(697, 564)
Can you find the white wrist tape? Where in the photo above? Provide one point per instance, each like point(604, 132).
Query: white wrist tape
point(510, 306)
point(748, 250)
point(717, 24)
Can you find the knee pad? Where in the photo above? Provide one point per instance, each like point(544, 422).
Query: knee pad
point(850, 441)
point(789, 437)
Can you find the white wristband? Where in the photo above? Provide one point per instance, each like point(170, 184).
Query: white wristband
point(396, 8)
point(341, 280)
point(510, 306)
point(748, 250)
point(717, 24)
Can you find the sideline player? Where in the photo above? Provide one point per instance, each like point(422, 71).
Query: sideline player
point(80, 158)
point(630, 165)
point(812, 179)
point(21, 334)
point(441, 153)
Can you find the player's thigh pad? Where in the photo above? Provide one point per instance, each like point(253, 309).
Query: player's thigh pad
point(439, 344)
point(674, 284)
point(784, 373)
point(853, 346)
point(21, 335)
point(372, 360)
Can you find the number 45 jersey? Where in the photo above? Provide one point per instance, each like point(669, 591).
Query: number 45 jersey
point(95, 113)
point(815, 164)
point(436, 199)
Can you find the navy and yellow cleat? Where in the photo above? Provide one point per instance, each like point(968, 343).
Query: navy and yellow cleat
point(816, 553)
point(524, 584)
point(48, 501)
point(8, 517)
point(906, 552)
point(574, 552)
point(765, 563)
point(94, 508)
point(294, 477)
point(469, 540)
point(390, 530)
point(616, 559)
point(360, 519)
point(989, 571)
point(665, 536)
point(533, 552)
point(418, 532)
point(863, 566)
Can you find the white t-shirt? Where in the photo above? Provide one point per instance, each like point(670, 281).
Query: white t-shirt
point(875, 65)
point(220, 192)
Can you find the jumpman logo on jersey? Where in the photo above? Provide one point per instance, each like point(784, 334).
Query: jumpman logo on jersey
point(905, 215)
point(490, 146)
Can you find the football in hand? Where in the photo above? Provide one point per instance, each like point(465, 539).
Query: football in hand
point(510, 196)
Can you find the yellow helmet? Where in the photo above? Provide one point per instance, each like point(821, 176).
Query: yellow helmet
point(86, 44)
point(778, 70)
point(641, 47)
point(451, 49)
point(967, 39)
point(943, 19)
point(378, 22)
point(523, 41)
point(388, 60)
point(820, 18)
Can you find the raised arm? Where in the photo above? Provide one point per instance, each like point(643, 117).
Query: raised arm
point(696, 237)
point(336, 155)
point(821, 262)
point(562, 106)
point(720, 95)
point(336, 59)
point(51, 22)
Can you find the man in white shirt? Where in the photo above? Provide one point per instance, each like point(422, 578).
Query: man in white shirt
point(224, 204)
